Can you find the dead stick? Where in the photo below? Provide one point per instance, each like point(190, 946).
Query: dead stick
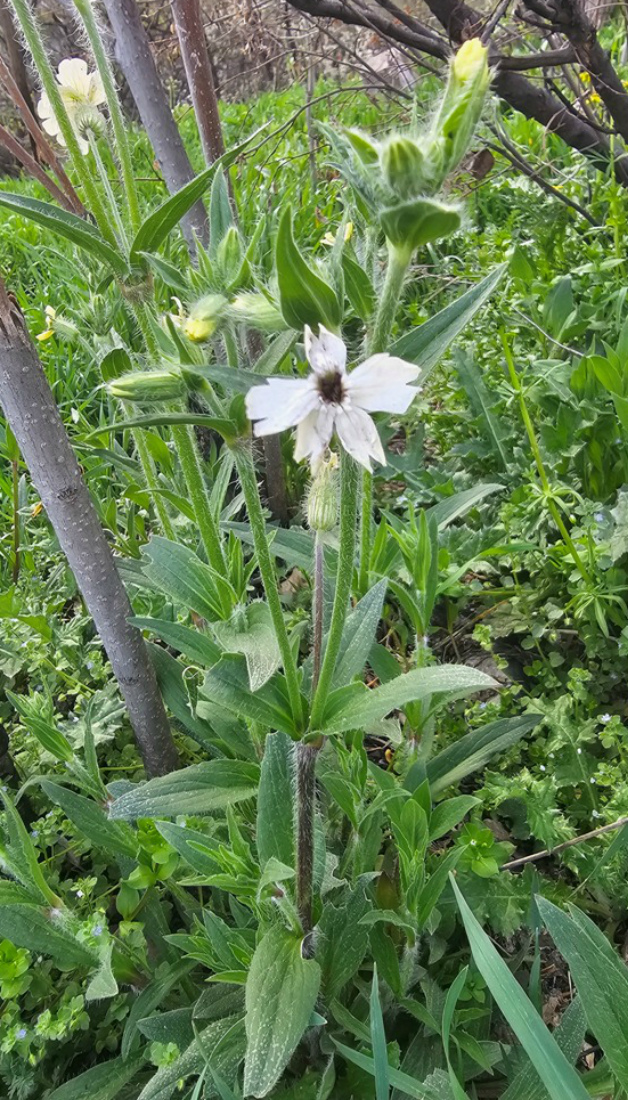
point(566, 844)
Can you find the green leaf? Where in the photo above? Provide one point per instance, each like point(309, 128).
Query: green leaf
point(76, 230)
point(361, 708)
point(451, 508)
point(250, 631)
point(600, 976)
point(410, 225)
point(359, 634)
point(50, 738)
point(92, 820)
point(178, 572)
point(275, 802)
point(305, 298)
point(194, 644)
point(102, 1082)
point(195, 848)
point(409, 1086)
point(358, 287)
point(560, 1079)
point(273, 356)
point(227, 685)
point(378, 1043)
point(226, 428)
point(482, 401)
point(150, 998)
point(169, 674)
point(427, 343)
point(156, 227)
point(199, 789)
point(450, 813)
point(342, 940)
point(219, 1046)
point(474, 750)
point(569, 1035)
point(20, 857)
point(281, 992)
point(103, 985)
point(47, 930)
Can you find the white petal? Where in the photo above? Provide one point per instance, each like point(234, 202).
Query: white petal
point(96, 90)
point(380, 384)
point(280, 404)
point(72, 74)
point(51, 126)
point(314, 434)
point(359, 436)
point(325, 352)
point(44, 110)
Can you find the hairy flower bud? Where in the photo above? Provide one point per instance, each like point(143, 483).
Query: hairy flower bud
point(462, 103)
point(204, 317)
point(254, 309)
point(322, 501)
point(148, 387)
point(403, 163)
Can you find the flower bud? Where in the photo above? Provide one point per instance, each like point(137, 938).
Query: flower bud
point(256, 310)
point(88, 120)
point(322, 501)
point(403, 163)
point(148, 387)
point(462, 103)
point(204, 317)
point(229, 255)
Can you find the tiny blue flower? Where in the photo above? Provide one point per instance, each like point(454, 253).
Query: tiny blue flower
point(599, 517)
point(605, 718)
point(97, 930)
point(35, 832)
point(21, 1033)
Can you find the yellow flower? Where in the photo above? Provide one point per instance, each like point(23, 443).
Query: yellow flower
point(50, 315)
point(471, 60)
point(330, 238)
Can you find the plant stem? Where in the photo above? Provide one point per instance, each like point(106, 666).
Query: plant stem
point(306, 796)
point(185, 442)
point(40, 57)
point(86, 12)
point(344, 574)
point(377, 342)
point(16, 520)
point(317, 609)
point(536, 451)
point(150, 478)
point(243, 455)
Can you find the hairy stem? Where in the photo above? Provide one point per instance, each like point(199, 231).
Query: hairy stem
point(123, 150)
point(317, 608)
point(306, 797)
point(344, 574)
point(38, 51)
point(185, 442)
point(376, 343)
point(248, 480)
point(150, 478)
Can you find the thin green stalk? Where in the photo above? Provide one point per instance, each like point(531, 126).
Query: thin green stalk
point(15, 476)
point(536, 451)
point(344, 574)
point(243, 456)
point(377, 342)
point(317, 611)
point(38, 51)
point(231, 346)
point(86, 12)
point(185, 442)
point(150, 478)
point(104, 179)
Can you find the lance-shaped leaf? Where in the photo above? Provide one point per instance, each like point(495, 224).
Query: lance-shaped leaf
point(76, 230)
point(427, 343)
point(305, 298)
point(281, 992)
point(199, 789)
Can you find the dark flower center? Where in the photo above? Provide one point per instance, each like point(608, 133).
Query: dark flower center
point(331, 388)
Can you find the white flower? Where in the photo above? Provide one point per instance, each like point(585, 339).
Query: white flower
point(331, 400)
point(82, 93)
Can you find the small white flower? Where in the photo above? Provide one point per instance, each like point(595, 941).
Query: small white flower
point(331, 400)
point(605, 718)
point(82, 93)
